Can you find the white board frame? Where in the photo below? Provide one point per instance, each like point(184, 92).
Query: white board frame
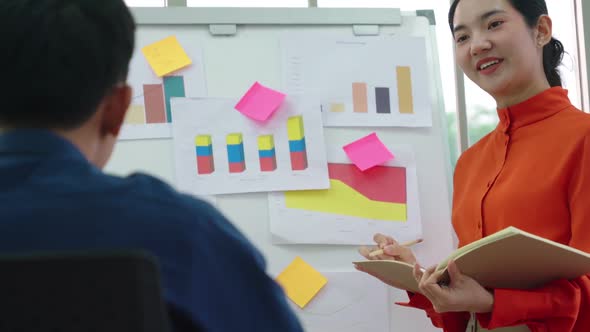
point(255, 39)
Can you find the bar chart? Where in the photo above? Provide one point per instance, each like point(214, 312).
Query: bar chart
point(381, 98)
point(150, 114)
point(361, 82)
point(156, 102)
point(236, 156)
point(218, 150)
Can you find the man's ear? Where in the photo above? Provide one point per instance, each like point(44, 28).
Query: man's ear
point(115, 107)
point(544, 30)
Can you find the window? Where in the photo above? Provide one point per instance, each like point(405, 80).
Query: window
point(146, 3)
point(249, 3)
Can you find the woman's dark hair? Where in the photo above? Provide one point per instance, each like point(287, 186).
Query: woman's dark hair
point(531, 10)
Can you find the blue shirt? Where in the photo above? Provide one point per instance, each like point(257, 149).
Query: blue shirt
point(53, 199)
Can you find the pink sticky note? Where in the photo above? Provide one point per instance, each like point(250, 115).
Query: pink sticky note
point(260, 102)
point(367, 152)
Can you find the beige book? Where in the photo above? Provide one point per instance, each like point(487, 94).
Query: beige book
point(510, 258)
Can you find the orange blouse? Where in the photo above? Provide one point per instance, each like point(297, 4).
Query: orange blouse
point(532, 172)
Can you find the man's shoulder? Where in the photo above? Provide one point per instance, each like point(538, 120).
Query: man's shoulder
point(142, 190)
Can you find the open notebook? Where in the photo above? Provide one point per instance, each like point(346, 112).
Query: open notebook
point(510, 258)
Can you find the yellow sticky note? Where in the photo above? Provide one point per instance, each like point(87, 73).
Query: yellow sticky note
point(166, 56)
point(301, 281)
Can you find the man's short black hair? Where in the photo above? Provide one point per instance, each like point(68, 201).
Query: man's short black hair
point(59, 58)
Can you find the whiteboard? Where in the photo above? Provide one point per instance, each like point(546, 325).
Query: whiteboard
point(250, 52)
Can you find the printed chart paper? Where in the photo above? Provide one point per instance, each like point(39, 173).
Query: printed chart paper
point(349, 302)
point(383, 199)
point(150, 114)
point(361, 81)
point(218, 150)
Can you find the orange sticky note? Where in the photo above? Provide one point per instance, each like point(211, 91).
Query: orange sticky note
point(367, 152)
point(166, 56)
point(301, 282)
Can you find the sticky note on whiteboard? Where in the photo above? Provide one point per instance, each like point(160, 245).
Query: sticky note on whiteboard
point(166, 56)
point(260, 102)
point(367, 152)
point(301, 282)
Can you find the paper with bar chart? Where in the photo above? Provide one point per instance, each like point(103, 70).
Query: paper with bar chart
point(361, 81)
point(218, 150)
point(149, 115)
point(349, 302)
point(383, 199)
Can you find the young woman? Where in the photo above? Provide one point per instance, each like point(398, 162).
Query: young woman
point(532, 172)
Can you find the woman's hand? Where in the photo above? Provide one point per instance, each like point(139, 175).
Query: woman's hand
point(462, 294)
point(392, 250)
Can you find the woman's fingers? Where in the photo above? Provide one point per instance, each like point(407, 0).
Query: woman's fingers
point(366, 251)
point(383, 240)
point(369, 253)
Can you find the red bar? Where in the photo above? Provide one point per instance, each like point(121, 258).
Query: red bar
point(237, 167)
point(299, 160)
point(155, 108)
point(205, 165)
point(268, 164)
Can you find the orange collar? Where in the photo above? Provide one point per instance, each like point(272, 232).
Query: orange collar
point(534, 109)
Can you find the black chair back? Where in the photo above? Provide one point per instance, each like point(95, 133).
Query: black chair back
point(85, 292)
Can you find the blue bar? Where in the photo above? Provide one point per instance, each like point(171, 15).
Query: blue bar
point(205, 151)
point(297, 146)
point(235, 153)
point(266, 153)
point(173, 87)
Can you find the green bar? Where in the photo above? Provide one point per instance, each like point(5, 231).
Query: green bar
point(173, 87)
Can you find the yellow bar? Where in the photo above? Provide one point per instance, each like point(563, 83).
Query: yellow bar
point(203, 140)
point(135, 115)
point(266, 142)
point(234, 138)
point(404, 90)
point(295, 128)
point(337, 108)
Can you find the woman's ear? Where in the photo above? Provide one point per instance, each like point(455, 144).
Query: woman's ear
point(544, 30)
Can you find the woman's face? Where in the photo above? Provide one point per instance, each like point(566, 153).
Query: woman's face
point(496, 49)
